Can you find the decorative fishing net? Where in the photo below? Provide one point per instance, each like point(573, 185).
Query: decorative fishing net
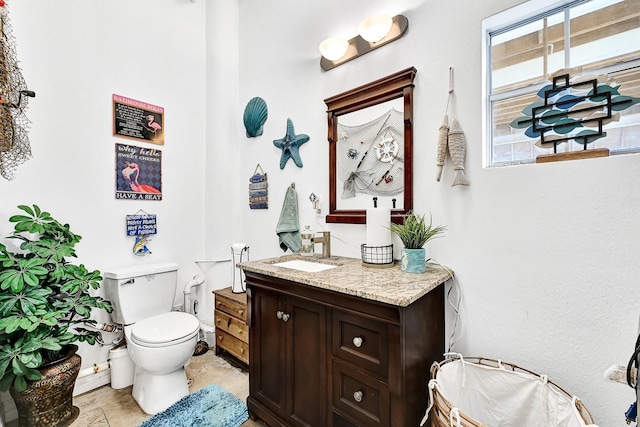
point(370, 157)
point(14, 95)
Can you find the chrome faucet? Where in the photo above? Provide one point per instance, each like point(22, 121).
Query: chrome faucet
point(326, 243)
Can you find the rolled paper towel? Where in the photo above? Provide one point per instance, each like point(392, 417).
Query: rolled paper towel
point(378, 233)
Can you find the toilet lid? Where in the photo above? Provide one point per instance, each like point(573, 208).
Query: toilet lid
point(165, 329)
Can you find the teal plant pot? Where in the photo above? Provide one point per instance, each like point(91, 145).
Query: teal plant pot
point(412, 260)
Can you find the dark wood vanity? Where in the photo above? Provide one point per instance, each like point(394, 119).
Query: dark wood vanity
point(322, 356)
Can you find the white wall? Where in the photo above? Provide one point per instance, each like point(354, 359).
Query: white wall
point(75, 54)
point(546, 255)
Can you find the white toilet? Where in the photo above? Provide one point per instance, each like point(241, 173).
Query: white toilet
point(160, 341)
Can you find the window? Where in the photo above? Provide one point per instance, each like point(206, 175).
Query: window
point(526, 44)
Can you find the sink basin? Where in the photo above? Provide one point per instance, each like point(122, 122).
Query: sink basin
point(306, 266)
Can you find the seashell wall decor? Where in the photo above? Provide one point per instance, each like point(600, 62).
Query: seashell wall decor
point(255, 115)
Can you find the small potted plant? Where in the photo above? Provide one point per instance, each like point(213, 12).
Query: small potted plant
point(45, 301)
point(414, 233)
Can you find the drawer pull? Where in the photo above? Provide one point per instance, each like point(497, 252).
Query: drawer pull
point(357, 341)
point(241, 312)
point(357, 396)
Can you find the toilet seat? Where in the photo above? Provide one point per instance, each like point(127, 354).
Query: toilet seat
point(165, 329)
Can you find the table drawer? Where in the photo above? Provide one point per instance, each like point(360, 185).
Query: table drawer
point(360, 396)
point(361, 341)
point(233, 345)
point(231, 307)
point(231, 325)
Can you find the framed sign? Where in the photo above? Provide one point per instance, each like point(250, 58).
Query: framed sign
point(138, 120)
point(138, 173)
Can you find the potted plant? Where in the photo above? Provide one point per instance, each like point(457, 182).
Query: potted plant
point(45, 301)
point(414, 233)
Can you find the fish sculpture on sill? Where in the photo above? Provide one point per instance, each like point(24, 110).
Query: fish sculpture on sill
point(457, 150)
point(442, 146)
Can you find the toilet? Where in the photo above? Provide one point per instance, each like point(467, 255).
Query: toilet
point(160, 341)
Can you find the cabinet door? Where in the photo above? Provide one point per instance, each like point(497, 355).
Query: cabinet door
point(267, 380)
point(307, 362)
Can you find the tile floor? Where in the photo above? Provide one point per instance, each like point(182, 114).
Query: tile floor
point(106, 407)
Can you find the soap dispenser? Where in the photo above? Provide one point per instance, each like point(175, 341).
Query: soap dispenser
point(306, 249)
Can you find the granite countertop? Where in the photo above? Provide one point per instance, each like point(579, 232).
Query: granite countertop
point(387, 285)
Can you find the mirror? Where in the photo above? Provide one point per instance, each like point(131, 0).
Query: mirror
point(370, 133)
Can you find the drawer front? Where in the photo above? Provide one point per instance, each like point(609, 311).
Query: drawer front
point(233, 345)
point(361, 341)
point(359, 396)
point(231, 307)
point(232, 326)
point(340, 421)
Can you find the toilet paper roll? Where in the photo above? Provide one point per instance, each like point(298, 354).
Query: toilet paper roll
point(378, 233)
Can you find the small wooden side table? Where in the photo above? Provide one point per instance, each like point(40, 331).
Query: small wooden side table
point(232, 332)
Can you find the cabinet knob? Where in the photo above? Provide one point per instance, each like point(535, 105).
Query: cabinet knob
point(357, 341)
point(285, 316)
point(279, 314)
point(241, 312)
point(357, 396)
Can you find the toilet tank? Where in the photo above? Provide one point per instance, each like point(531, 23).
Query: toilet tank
point(141, 291)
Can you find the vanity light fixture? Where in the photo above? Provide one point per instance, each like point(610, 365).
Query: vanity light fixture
point(334, 48)
point(374, 28)
point(375, 31)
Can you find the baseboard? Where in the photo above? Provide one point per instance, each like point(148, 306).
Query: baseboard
point(91, 382)
point(10, 411)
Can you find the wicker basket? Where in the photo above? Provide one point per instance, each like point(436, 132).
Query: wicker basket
point(444, 413)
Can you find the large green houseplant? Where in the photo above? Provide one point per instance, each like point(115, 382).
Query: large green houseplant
point(45, 300)
point(415, 232)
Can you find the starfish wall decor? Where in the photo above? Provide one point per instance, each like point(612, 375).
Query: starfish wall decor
point(290, 146)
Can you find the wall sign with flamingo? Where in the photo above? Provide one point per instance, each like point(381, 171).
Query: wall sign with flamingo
point(137, 120)
point(138, 173)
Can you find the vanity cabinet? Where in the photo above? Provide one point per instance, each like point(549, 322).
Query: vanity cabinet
point(320, 357)
point(288, 362)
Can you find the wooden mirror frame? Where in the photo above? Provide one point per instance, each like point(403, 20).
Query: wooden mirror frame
point(385, 89)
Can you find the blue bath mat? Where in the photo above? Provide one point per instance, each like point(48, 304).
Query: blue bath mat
point(212, 406)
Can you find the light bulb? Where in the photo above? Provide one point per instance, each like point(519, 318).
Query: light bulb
point(334, 48)
point(374, 28)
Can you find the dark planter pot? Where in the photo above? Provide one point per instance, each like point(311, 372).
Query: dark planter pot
point(48, 402)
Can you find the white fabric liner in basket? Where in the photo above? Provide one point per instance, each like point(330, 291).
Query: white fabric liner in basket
point(498, 396)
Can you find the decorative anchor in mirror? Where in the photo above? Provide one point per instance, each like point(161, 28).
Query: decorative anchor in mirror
point(374, 157)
